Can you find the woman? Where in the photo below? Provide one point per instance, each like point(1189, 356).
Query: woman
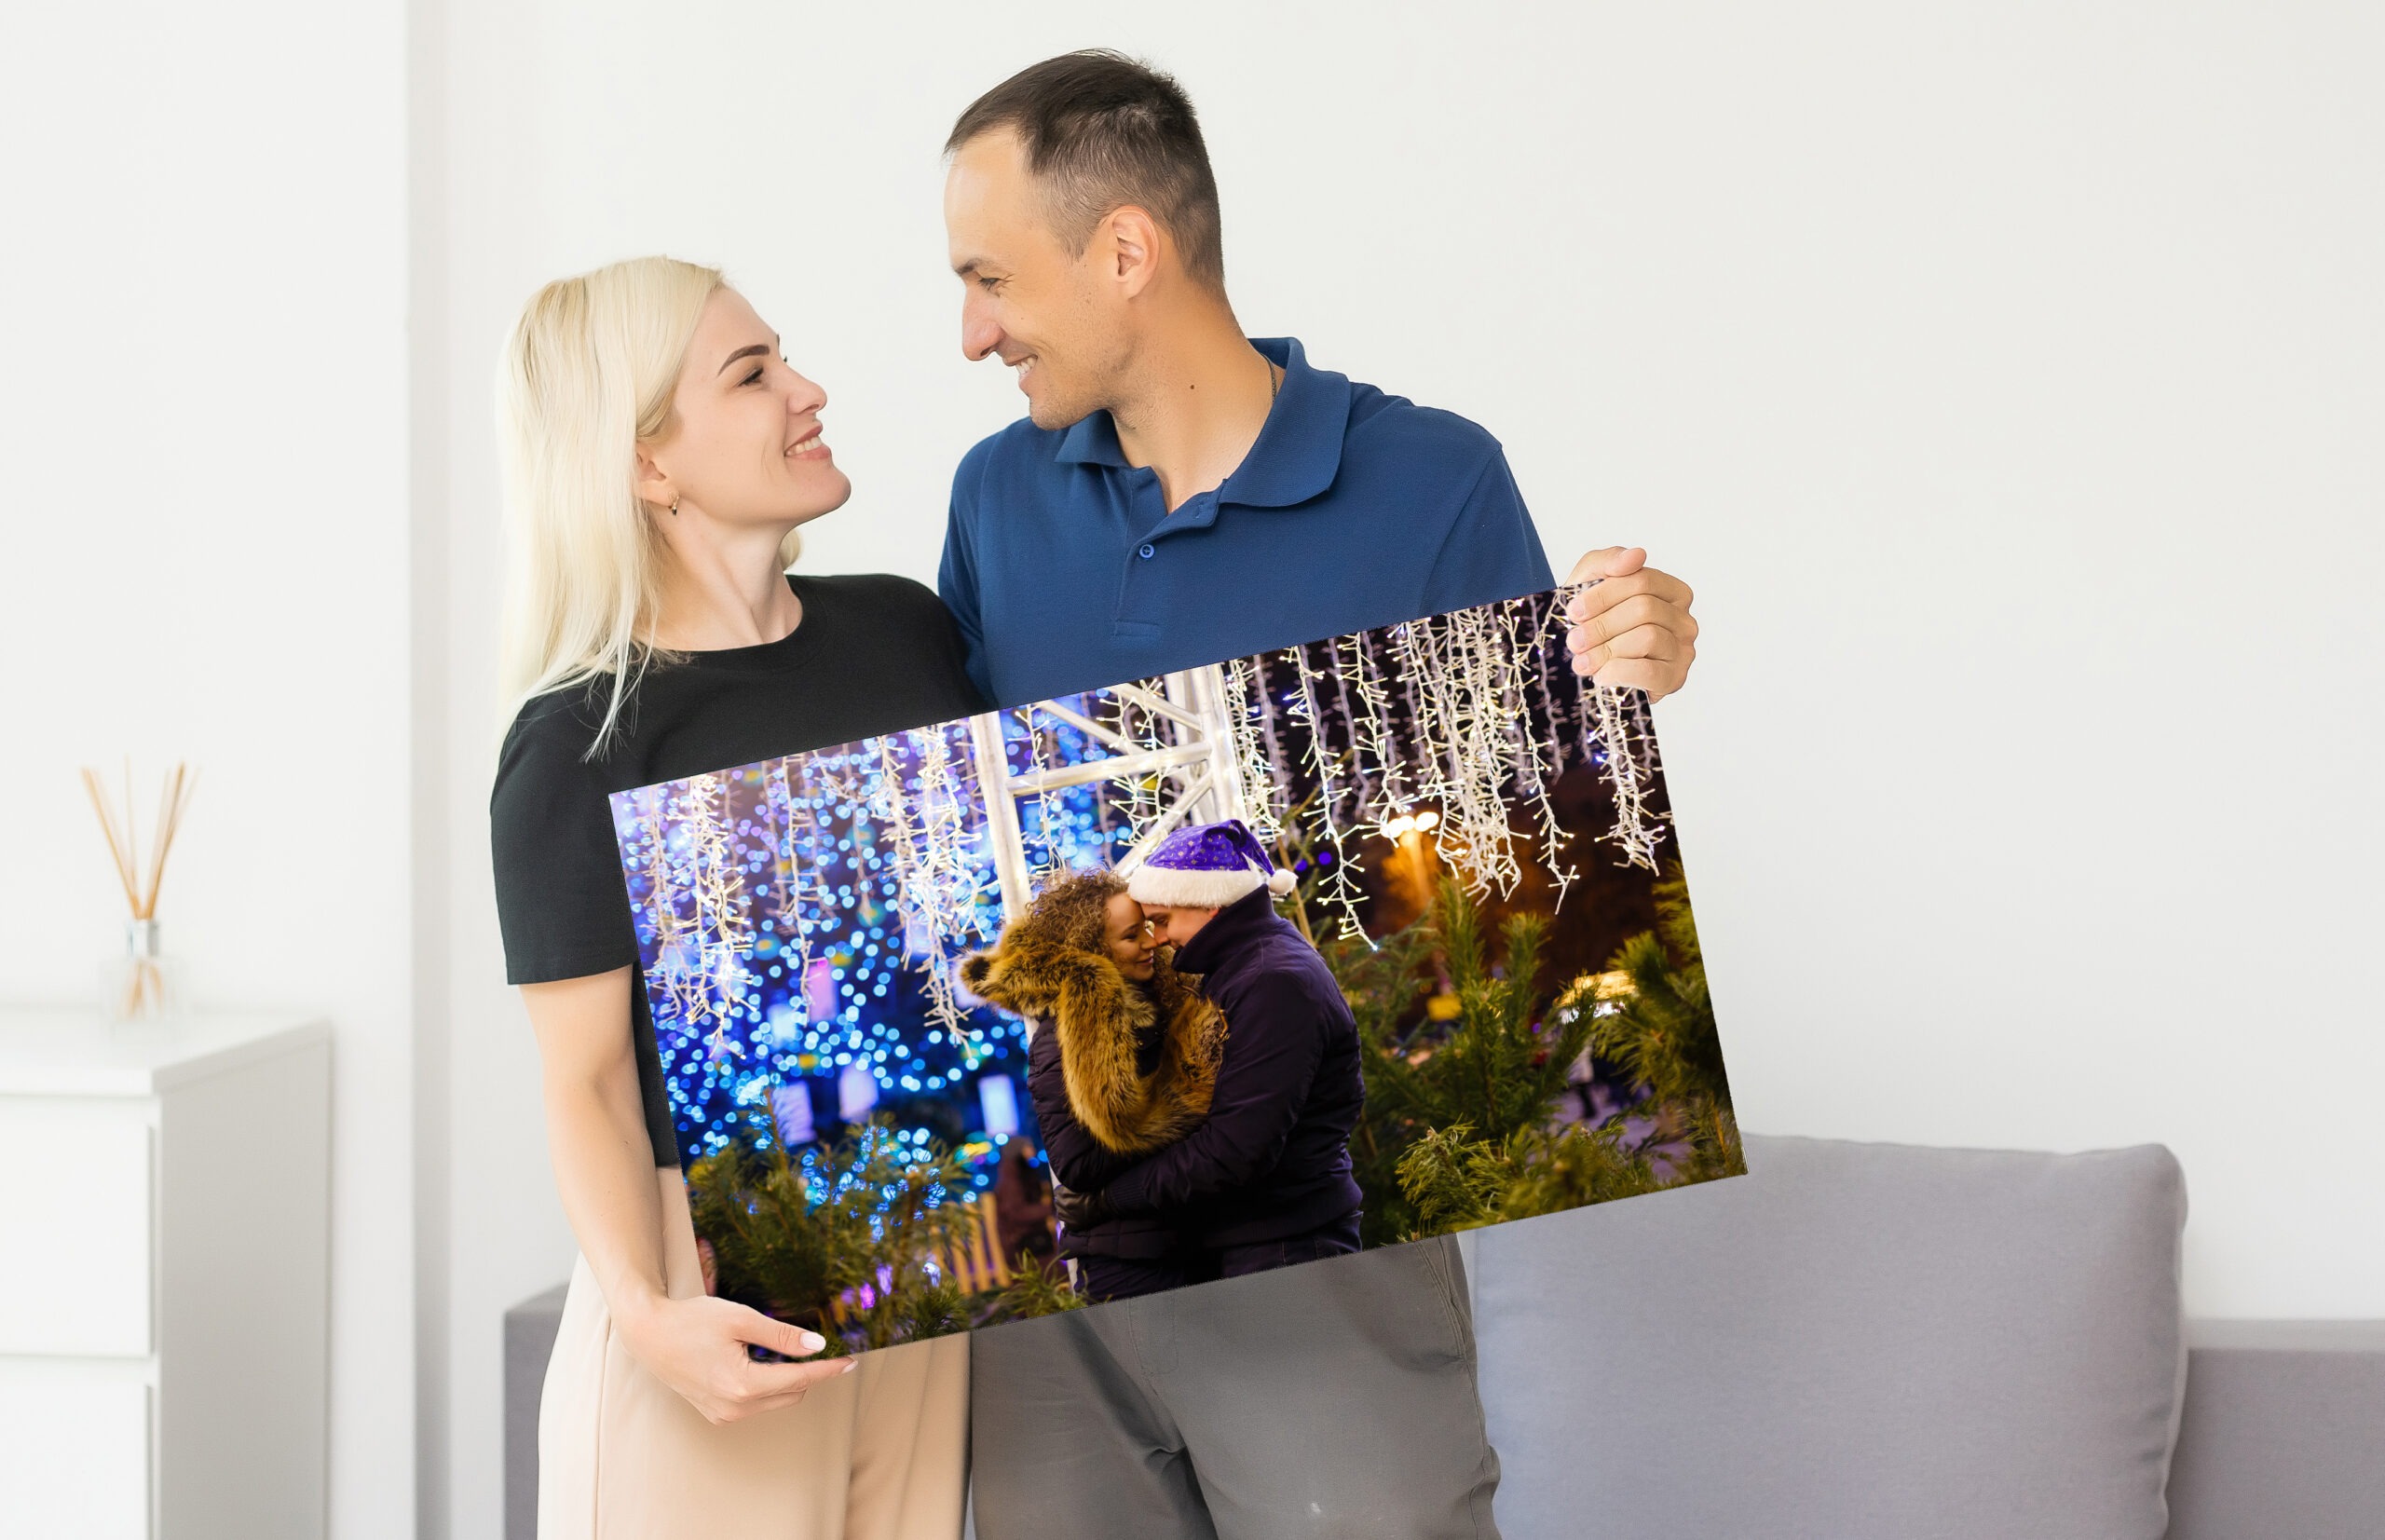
point(660, 457)
point(1121, 1059)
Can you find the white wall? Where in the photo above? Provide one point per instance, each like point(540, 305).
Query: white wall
point(2006, 380)
point(202, 310)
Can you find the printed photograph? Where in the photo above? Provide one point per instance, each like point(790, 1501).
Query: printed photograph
point(1335, 946)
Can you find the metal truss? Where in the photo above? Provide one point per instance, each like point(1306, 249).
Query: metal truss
point(1200, 778)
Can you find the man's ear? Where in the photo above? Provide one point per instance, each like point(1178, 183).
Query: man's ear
point(1131, 245)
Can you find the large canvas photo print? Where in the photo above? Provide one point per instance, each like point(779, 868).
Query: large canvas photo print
point(1330, 947)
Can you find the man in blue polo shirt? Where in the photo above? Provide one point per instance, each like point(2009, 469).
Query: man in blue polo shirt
point(1338, 469)
point(1180, 494)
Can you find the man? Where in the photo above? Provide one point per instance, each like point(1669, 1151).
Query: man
point(1180, 494)
point(1264, 1181)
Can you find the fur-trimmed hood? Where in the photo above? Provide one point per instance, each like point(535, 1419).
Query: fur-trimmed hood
point(1095, 1013)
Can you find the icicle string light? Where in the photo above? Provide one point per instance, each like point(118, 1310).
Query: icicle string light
point(1623, 748)
point(1344, 667)
point(1048, 814)
point(805, 893)
point(1141, 807)
point(1520, 632)
point(1279, 777)
point(701, 971)
point(944, 895)
point(1374, 731)
point(1245, 689)
point(1644, 736)
point(1342, 892)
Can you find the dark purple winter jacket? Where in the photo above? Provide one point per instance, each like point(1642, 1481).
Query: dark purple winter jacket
point(1272, 1159)
point(1078, 1159)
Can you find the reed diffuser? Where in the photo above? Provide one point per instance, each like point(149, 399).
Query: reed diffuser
point(140, 985)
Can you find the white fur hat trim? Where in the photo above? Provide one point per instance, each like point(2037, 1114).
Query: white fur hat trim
point(1173, 888)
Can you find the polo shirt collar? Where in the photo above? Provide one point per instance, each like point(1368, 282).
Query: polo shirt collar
point(1093, 440)
point(1299, 450)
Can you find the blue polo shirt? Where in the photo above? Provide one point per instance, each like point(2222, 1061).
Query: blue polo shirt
point(1353, 510)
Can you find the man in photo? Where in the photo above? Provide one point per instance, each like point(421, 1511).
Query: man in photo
point(1265, 1179)
point(1181, 493)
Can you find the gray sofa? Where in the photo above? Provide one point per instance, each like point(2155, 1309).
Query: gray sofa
point(1861, 1340)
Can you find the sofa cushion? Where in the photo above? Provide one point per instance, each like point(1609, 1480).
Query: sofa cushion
point(1852, 1341)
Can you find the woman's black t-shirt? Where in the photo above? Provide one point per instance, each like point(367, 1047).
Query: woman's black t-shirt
point(872, 655)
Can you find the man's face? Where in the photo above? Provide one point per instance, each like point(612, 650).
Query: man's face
point(1177, 925)
point(1040, 307)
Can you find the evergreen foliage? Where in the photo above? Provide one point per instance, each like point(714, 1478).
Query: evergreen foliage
point(872, 1220)
point(1454, 1179)
point(911, 1306)
point(1460, 1124)
point(1662, 1031)
point(1493, 1071)
point(1457, 1181)
point(1034, 1291)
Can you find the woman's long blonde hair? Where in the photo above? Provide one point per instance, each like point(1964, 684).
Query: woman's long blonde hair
point(588, 375)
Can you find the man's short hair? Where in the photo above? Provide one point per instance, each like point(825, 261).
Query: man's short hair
point(1101, 130)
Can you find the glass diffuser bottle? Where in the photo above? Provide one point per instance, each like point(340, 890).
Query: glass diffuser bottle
point(143, 985)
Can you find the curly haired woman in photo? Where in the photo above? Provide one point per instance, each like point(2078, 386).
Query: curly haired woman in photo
point(1121, 1058)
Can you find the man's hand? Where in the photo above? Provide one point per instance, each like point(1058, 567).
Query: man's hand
point(1081, 1211)
point(1634, 627)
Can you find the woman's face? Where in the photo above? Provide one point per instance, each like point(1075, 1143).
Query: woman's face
point(1130, 937)
point(742, 449)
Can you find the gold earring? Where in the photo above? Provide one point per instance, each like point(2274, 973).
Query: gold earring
point(674, 508)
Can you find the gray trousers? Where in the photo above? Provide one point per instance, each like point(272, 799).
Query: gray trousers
point(1330, 1398)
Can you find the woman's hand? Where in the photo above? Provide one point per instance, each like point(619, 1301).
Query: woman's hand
point(612, 1191)
point(698, 1348)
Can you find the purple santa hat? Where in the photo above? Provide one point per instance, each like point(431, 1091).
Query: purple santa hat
point(1207, 867)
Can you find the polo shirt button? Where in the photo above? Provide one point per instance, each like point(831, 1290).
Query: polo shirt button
point(1145, 553)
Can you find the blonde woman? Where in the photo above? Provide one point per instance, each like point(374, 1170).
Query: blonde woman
point(660, 455)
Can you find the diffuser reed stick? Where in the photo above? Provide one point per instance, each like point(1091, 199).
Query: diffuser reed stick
point(141, 990)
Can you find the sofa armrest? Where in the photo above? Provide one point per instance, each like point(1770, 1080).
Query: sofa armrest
point(2283, 1432)
point(531, 1330)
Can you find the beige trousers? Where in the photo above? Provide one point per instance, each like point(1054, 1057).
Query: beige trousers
point(881, 1453)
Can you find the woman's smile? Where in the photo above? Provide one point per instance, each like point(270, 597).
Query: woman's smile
point(1129, 937)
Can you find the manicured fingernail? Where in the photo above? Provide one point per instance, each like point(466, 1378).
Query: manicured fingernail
point(814, 1342)
point(850, 1364)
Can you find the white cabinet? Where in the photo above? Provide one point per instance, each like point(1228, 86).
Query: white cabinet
point(74, 1452)
point(164, 1278)
point(74, 1220)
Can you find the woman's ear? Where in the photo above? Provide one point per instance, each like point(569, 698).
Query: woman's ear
point(654, 485)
